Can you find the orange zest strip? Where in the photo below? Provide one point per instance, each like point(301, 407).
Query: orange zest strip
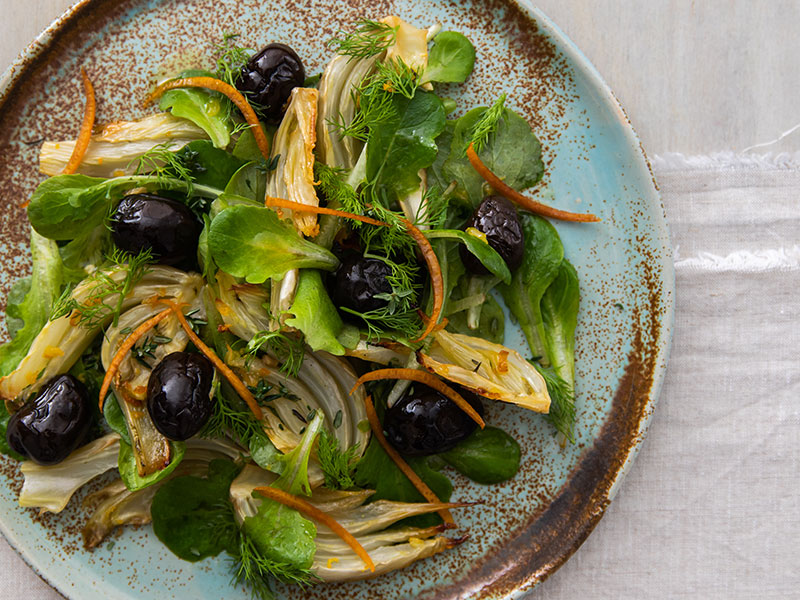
point(525, 202)
point(231, 92)
point(435, 273)
point(297, 207)
point(237, 383)
point(313, 512)
point(423, 489)
point(126, 346)
point(85, 135)
point(428, 379)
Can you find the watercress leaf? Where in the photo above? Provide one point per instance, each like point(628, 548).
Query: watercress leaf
point(130, 475)
point(480, 249)
point(451, 59)
point(112, 413)
point(512, 152)
point(282, 534)
point(491, 325)
point(487, 456)
point(193, 517)
point(34, 309)
point(403, 144)
point(254, 243)
point(560, 317)
point(317, 317)
point(265, 454)
point(542, 258)
point(208, 165)
point(444, 140)
point(250, 181)
point(207, 109)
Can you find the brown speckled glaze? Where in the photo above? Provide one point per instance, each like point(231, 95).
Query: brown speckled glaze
point(526, 528)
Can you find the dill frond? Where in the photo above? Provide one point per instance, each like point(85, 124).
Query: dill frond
point(338, 466)
point(487, 124)
point(288, 350)
point(95, 309)
point(230, 58)
point(367, 39)
point(160, 161)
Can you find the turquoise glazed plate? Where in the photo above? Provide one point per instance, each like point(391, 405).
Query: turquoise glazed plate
point(526, 528)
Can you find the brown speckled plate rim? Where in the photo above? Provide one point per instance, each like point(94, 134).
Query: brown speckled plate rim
point(607, 488)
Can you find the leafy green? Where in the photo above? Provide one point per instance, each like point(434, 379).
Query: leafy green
point(34, 309)
point(16, 297)
point(264, 453)
point(88, 250)
point(254, 243)
point(207, 165)
point(66, 207)
point(451, 59)
point(193, 517)
point(250, 181)
point(562, 402)
point(129, 473)
point(444, 141)
point(479, 248)
point(338, 465)
point(367, 39)
point(560, 317)
point(403, 144)
point(488, 455)
point(316, 316)
point(112, 413)
point(4, 447)
point(207, 109)
point(542, 258)
point(512, 152)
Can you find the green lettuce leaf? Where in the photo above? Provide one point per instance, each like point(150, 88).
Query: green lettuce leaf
point(207, 109)
point(451, 59)
point(403, 144)
point(4, 447)
point(34, 309)
point(250, 182)
point(480, 249)
point(560, 317)
point(208, 165)
point(317, 317)
point(488, 455)
point(16, 297)
point(112, 413)
point(254, 243)
point(542, 258)
point(192, 516)
point(512, 152)
point(129, 473)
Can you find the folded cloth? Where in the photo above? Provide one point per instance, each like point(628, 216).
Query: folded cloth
point(711, 509)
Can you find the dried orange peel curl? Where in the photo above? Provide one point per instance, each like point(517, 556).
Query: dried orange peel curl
point(298, 207)
point(527, 203)
point(428, 379)
point(319, 516)
point(85, 135)
point(235, 96)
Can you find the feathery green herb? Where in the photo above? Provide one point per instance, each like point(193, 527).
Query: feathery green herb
point(487, 124)
point(337, 465)
point(230, 58)
point(102, 287)
point(288, 350)
point(367, 39)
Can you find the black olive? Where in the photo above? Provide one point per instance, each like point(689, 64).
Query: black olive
point(164, 225)
point(50, 426)
point(425, 422)
point(269, 77)
point(357, 280)
point(497, 218)
point(178, 394)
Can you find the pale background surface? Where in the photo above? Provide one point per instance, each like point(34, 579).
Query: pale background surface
point(711, 509)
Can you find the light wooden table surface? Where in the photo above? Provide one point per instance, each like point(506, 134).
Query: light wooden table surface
point(695, 77)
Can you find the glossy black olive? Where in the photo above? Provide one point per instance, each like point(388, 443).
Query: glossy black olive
point(178, 394)
point(269, 77)
point(164, 225)
point(425, 422)
point(497, 218)
point(53, 424)
point(358, 280)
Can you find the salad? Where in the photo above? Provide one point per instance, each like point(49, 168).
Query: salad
point(269, 313)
